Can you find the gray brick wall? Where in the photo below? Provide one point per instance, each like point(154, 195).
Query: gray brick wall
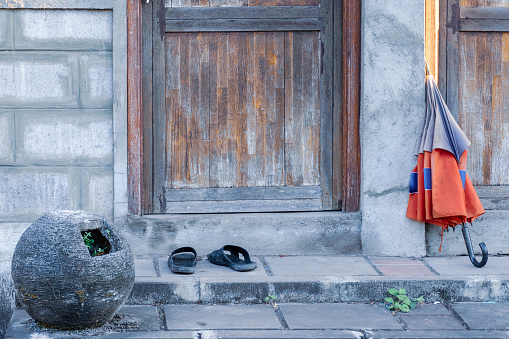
point(56, 112)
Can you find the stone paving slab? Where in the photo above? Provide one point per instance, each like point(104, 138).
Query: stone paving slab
point(461, 265)
point(244, 334)
point(144, 268)
point(210, 317)
point(484, 316)
point(319, 266)
point(338, 316)
point(430, 334)
point(401, 267)
point(430, 317)
point(432, 322)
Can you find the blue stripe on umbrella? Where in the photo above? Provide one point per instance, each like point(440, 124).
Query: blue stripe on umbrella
point(427, 178)
point(463, 175)
point(413, 183)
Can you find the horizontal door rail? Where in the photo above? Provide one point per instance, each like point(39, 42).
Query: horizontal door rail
point(231, 19)
point(484, 19)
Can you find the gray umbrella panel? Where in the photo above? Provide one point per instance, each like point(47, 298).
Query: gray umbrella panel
point(440, 129)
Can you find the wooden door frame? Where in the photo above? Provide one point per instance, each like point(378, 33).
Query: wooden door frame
point(349, 146)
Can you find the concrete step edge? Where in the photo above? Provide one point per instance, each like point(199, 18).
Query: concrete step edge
point(362, 289)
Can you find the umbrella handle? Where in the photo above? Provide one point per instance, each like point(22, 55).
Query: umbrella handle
point(484, 249)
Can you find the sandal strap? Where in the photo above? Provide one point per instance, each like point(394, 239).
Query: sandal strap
point(186, 249)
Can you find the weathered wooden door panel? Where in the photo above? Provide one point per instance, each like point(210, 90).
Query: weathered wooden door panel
point(484, 104)
point(477, 88)
point(238, 116)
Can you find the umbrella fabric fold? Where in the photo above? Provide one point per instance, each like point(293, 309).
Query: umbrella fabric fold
point(441, 192)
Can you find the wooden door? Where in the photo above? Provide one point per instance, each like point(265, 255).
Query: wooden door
point(476, 82)
point(242, 106)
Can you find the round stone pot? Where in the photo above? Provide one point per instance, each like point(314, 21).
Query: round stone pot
point(64, 284)
point(6, 298)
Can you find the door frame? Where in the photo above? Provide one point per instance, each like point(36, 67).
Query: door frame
point(347, 106)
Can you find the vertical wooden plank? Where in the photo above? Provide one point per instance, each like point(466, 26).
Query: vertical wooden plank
point(351, 104)
point(311, 94)
point(172, 103)
point(326, 174)
point(431, 35)
point(293, 96)
point(442, 48)
point(453, 12)
point(274, 105)
point(255, 133)
point(134, 108)
point(337, 132)
point(159, 148)
point(302, 99)
point(190, 119)
point(239, 80)
point(147, 108)
point(222, 165)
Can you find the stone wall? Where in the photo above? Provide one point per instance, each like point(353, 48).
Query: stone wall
point(56, 112)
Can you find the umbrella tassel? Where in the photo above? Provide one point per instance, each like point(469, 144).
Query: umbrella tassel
point(484, 249)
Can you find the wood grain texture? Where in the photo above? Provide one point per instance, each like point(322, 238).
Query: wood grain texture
point(247, 98)
point(431, 43)
point(134, 108)
point(337, 130)
point(225, 103)
point(351, 105)
point(147, 114)
point(187, 107)
point(302, 109)
point(159, 139)
point(236, 3)
point(284, 2)
point(478, 3)
point(483, 105)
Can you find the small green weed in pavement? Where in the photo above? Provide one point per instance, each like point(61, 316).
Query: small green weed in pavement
point(271, 300)
point(400, 301)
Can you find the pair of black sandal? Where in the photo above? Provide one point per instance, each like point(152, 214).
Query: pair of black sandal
point(183, 260)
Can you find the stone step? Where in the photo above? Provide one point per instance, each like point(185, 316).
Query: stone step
point(304, 233)
point(323, 279)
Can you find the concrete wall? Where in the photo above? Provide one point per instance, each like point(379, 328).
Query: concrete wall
point(56, 104)
point(392, 105)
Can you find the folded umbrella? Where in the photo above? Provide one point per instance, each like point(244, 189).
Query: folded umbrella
point(441, 192)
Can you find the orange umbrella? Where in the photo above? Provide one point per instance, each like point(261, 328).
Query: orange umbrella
point(441, 192)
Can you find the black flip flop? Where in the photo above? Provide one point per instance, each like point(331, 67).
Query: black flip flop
point(182, 260)
point(232, 260)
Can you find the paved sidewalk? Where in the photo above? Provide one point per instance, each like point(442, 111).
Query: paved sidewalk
point(316, 297)
point(323, 279)
point(289, 320)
